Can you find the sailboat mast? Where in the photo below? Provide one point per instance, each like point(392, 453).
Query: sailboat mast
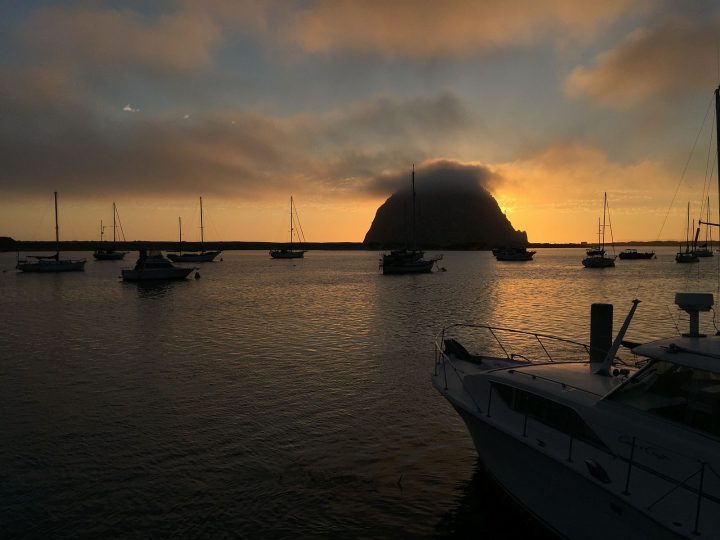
point(180, 227)
point(687, 231)
point(202, 228)
point(291, 221)
point(414, 243)
point(114, 224)
point(102, 230)
point(57, 230)
point(717, 141)
point(603, 224)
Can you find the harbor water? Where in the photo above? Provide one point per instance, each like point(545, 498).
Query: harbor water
point(276, 398)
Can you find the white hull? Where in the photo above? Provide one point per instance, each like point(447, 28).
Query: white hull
point(566, 502)
point(205, 256)
point(156, 274)
point(52, 266)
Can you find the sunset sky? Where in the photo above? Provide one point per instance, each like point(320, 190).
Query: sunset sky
point(553, 102)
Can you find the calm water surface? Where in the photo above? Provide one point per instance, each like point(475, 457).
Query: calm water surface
point(274, 398)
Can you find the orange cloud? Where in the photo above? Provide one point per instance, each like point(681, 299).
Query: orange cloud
point(426, 29)
point(666, 61)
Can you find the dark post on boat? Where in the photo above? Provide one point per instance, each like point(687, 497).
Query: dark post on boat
point(601, 320)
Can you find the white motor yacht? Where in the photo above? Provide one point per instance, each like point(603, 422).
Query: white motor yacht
point(153, 265)
point(593, 446)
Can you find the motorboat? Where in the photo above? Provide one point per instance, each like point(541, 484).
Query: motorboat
point(289, 252)
point(410, 259)
point(51, 263)
point(633, 254)
point(152, 265)
point(109, 253)
point(514, 254)
point(596, 444)
point(194, 256)
point(596, 257)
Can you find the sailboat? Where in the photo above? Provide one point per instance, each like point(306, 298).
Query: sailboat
point(687, 256)
point(596, 257)
point(289, 252)
point(408, 260)
point(108, 253)
point(196, 256)
point(51, 263)
point(705, 249)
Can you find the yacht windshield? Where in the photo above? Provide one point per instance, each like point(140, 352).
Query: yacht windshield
point(683, 394)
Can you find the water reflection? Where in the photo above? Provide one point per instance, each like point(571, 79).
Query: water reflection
point(484, 510)
point(156, 289)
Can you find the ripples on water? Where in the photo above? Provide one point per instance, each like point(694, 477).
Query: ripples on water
point(274, 398)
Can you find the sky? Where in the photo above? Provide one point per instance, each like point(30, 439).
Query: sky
point(245, 103)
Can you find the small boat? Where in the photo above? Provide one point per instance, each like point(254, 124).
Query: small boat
point(51, 263)
point(152, 265)
point(633, 254)
point(514, 254)
point(596, 257)
point(108, 253)
point(689, 255)
point(409, 260)
point(194, 256)
point(289, 252)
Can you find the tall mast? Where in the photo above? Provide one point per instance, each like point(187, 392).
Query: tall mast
point(603, 225)
point(180, 227)
point(291, 221)
point(202, 236)
point(687, 231)
point(102, 231)
point(57, 231)
point(414, 243)
point(717, 141)
point(114, 224)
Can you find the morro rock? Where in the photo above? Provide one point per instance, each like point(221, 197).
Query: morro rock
point(448, 214)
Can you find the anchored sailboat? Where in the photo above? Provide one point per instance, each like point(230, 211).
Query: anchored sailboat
point(408, 260)
point(104, 253)
point(289, 252)
point(51, 263)
point(202, 255)
point(689, 255)
point(596, 257)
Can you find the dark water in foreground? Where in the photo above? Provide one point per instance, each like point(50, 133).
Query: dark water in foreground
point(273, 398)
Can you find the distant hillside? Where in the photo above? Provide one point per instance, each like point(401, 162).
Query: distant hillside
point(467, 218)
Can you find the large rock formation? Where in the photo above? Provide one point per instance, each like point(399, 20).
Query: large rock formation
point(466, 217)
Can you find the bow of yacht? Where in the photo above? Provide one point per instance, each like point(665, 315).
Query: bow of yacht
point(593, 444)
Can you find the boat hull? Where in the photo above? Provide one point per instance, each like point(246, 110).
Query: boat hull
point(205, 256)
point(598, 262)
point(52, 266)
point(636, 256)
point(156, 274)
point(526, 474)
point(686, 258)
point(527, 256)
point(286, 254)
point(109, 255)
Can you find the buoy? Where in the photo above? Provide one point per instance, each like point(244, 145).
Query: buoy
point(197, 275)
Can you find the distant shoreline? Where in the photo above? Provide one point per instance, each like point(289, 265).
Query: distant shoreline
point(8, 244)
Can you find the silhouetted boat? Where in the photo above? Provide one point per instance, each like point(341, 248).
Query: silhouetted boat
point(51, 263)
point(596, 256)
point(406, 260)
point(289, 252)
point(194, 256)
point(108, 253)
point(514, 254)
point(152, 265)
point(689, 255)
point(633, 254)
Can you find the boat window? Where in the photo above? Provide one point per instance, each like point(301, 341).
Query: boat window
point(682, 394)
point(550, 413)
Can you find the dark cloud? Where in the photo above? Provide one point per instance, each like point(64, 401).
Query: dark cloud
point(438, 176)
